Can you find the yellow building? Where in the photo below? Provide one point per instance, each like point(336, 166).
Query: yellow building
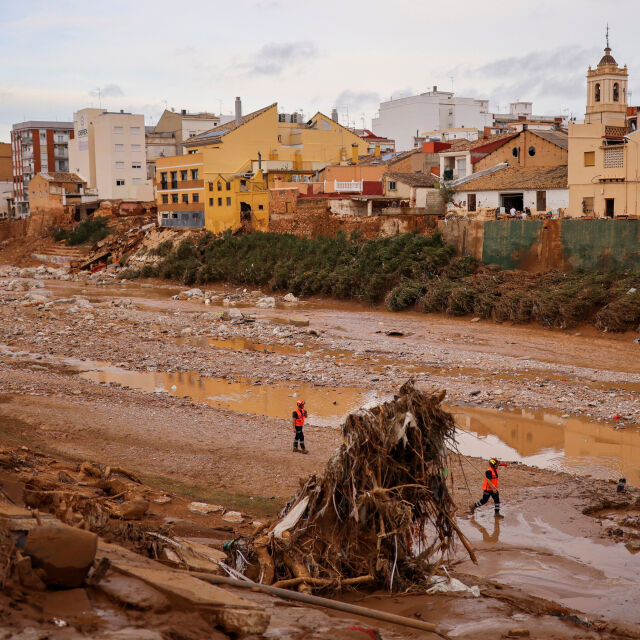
point(604, 154)
point(229, 154)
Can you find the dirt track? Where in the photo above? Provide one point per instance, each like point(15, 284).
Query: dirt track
point(59, 371)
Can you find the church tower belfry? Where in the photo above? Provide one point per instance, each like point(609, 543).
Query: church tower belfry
point(607, 91)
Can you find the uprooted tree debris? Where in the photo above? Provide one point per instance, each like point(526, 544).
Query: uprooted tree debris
point(381, 514)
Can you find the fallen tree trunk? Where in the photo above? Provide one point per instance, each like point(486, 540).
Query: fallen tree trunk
point(322, 602)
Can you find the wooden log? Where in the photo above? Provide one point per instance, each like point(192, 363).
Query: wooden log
point(322, 582)
point(324, 602)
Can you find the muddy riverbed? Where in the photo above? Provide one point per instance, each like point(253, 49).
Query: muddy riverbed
point(192, 396)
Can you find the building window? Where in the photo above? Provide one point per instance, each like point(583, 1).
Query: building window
point(532, 151)
point(228, 202)
point(260, 207)
point(597, 92)
point(135, 147)
point(192, 151)
point(184, 175)
point(174, 179)
point(174, 198)
point(119, 147)
point(135, 130)
point(192, 133)
point(119, 165)
point(165, 198)
point(211, 202)
point(118, 129)
point(185, 198)
point(589, 158)
point(120, 182)
point(616, 92)
point(392, 185)
point(541, 200)
point(219, 186)
point(136, 165)
point(279, 138)
point(211, 186)
point(515, 152)
point(614, 158)
point(587, 205)
point(219, 202)
point(471, 201)
point(195, 197)
point(194, 174)
point(163, 176)
point(228, 186)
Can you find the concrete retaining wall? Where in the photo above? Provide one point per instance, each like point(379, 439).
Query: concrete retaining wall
point(540, 245)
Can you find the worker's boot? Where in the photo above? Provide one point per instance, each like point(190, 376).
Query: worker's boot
point(302, 449)
point(295, 447)
point(497, 514)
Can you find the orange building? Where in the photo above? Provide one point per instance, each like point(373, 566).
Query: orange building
point(5, 162)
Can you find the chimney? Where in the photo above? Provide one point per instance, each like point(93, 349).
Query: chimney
point(121, 110)
point(183, 112)
point(259, 161)
point(435, 88)
point(334, 115)
point(355, 152)
point(238, 111)
point(377, 151)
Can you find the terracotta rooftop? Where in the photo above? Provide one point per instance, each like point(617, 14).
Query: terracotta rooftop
point(470, 145)
point(519, 178)
point(413, 179)
point(388, 158)
point(215, 134)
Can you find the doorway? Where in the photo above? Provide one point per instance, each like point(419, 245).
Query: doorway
point(512, 201)
point(609, 207)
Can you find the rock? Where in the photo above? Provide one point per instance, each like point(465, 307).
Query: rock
point(162, 500)
point(313, 332)
point(475, 392)
point(134, 593)
point(29, 578)
point(394, 332)
point(64, 553)
point(82, 302)
point(131, 509)
point(632, 290)
point(235, 314)
point(244, 621)
point(299, 321)
point(192, 293)
point(205, 509)
point(233, 516)
point(187, 331)
point(266, 303)
point(299, 344)
point(290, 298)
point(475, 320)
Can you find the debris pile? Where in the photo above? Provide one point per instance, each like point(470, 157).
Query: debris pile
point(381, 514)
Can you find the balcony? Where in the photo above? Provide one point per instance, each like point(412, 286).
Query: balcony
point(352, 186)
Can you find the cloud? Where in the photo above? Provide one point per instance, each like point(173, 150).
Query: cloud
point(108, 91)
point(272, 59)
point(556, 74)
point(357, 99)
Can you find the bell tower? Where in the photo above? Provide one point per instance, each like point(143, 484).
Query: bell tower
point(607, 91)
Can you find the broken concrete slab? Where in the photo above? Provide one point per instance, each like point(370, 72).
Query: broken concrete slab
point(205, 509)
point(64, 553)
point(134, 593)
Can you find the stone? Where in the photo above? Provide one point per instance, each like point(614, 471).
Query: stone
point(193, 293)
point(27, 576)
point(187, 331)
point(475, 320)
point(299, 321)
point(131, 509)
point(64, 553)
point(205, 509)
point(133, 593)
point(290, 298)
point(162, 500)
point(244, 621)
point(267, 302)
point(235, 314)
point(233, 516)
point(394, 332)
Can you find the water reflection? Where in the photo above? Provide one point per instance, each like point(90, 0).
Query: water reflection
point(544, 439)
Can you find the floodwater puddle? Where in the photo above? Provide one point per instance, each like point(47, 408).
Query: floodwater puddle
point(544, 439)
point(327, 406)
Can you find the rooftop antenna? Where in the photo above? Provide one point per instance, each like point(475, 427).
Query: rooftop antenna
point(220, 103)
point(608, 47)
point(451, 78)
point(362, 118)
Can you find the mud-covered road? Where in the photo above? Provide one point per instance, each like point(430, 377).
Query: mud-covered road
point(199, 397)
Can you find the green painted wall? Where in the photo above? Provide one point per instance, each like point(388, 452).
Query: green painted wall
point(509, 243)
point(601, 244)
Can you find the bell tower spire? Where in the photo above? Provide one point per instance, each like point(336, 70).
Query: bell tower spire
point(607, 90)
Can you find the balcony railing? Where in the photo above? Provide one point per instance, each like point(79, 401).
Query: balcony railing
point(352, 186)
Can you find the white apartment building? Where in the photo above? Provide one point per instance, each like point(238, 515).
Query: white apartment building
point(403, 119)
point(108, 151)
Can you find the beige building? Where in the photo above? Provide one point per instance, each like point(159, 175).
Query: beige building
point(604, 154)
point(108, 151)
point(184, 125)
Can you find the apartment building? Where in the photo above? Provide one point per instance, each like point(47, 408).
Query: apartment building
point(108, 151)
point(37, 146)
point(404, 118)
point(6, 174)
point(184, 125)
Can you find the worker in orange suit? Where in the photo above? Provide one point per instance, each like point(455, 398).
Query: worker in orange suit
point(490, 487)
point(298, 417)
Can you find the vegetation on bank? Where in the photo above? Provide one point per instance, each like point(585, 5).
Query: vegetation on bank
point(406, 271)
point(89, 231)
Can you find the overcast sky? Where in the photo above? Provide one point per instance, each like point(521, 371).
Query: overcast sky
point(144, 55)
